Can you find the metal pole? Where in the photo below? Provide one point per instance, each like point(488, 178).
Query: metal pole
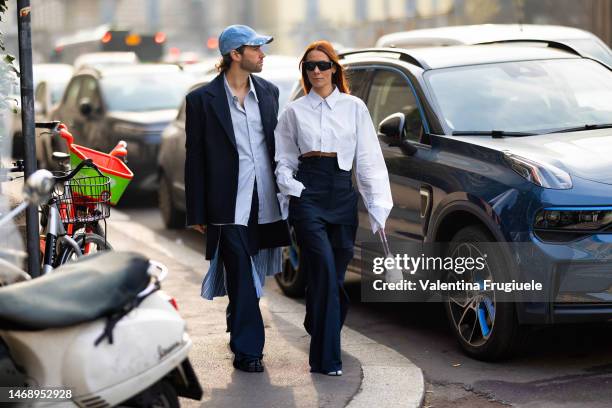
point(27, 120)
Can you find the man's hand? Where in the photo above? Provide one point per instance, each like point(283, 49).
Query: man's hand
point(201, 228)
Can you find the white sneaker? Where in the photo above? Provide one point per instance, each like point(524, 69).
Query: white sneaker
point(335, 373)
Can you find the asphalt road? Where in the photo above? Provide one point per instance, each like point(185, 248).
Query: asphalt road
point(569, 366)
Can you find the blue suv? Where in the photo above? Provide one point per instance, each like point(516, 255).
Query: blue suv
point(503, 144)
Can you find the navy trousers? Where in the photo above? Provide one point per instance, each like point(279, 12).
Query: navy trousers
point(325, 223)
point(244, 321)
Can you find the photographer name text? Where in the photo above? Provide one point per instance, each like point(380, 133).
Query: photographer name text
point(441, 286)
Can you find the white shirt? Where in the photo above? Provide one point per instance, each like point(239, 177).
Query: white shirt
point(253, 161)
point(340, 124)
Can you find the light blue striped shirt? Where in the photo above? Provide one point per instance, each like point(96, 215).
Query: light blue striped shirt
point(253, 160)
point(266, 262)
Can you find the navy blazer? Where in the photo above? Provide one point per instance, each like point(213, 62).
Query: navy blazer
point(211, 160)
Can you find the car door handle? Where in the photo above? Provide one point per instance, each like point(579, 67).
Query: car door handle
point(425, 193)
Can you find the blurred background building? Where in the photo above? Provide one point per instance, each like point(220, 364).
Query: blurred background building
point(193, 25)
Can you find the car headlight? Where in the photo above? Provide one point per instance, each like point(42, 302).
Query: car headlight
point(541, 174)
point(574, 219)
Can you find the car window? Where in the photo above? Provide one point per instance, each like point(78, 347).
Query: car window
point(391, 93)
point(40, 93)
point(357, 79)
point(56, 90)
point(72, 93)
point(89, 90)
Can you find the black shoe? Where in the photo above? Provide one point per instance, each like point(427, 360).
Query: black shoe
point(249, 366)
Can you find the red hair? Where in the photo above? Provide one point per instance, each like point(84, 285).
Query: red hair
point(338, 79)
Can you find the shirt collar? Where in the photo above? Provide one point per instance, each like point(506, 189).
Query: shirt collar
point(229, 91)
point(316, 99)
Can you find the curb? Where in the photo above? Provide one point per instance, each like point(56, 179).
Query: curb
point(388, 378)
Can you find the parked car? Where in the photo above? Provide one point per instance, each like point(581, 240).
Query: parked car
point(171, 159)
point(47, 95)
point(55, 77)
point(496, 144)
point(132, 103)
point(105, 59)
point(583, 41)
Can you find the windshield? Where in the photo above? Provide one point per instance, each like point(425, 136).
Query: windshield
point(526, 96)
point(144, 91)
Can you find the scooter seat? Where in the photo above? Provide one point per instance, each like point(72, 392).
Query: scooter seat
point(94, 286)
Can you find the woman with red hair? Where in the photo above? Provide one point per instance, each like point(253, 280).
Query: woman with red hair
point(319, 138)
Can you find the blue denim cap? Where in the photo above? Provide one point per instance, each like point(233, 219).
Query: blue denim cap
point(235, 36)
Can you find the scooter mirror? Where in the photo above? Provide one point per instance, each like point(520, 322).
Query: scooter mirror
point(38, 187)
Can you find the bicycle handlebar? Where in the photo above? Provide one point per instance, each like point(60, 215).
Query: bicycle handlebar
point(87, 162)
point(47, 125)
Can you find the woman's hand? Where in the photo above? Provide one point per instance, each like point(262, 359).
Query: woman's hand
point(201, 228)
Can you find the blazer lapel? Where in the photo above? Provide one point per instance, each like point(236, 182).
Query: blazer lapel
point(221, 107)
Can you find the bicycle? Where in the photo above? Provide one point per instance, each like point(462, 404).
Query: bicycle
point(76, 203)
point(81, 202)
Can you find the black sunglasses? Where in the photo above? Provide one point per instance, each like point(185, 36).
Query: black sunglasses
point(322, 65)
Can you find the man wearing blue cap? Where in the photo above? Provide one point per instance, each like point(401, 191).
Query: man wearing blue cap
point(230, 189)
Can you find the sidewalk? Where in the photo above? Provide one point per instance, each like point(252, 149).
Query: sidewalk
point(374, 375)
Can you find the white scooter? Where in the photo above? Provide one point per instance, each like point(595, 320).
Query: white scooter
point(96, 333)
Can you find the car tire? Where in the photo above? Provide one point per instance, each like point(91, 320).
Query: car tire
point(173, 218)
point(291, 280)
point(481, 334)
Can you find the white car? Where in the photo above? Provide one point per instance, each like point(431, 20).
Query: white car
point(99, 59)
point(582, 41)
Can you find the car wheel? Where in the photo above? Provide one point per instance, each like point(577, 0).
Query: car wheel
point(291, 280)
point(173, 217)
point(486, 328)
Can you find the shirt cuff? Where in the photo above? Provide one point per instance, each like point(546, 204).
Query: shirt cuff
point(291, 187)
point(378, 217)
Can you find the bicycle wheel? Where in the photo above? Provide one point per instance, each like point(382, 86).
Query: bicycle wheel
point(89, 244)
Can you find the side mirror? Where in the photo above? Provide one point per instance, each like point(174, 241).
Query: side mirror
point(85, 107)
point(391, 129)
